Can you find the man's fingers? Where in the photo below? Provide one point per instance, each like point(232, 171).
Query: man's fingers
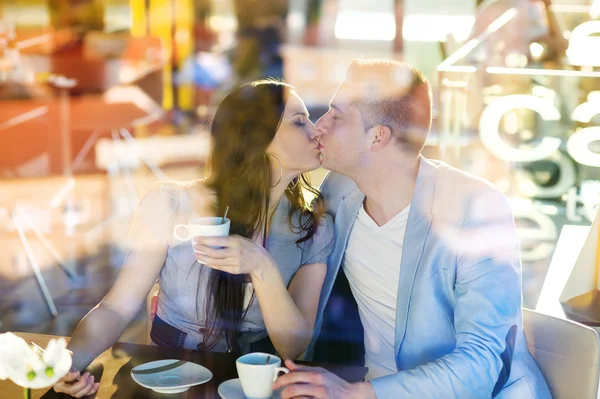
point(297, 377)
point(302, 390)
point(293, 366)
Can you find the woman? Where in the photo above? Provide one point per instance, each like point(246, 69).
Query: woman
point(263, 283)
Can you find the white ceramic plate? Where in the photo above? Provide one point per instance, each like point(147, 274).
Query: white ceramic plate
point(170, 376)
point(232, 389)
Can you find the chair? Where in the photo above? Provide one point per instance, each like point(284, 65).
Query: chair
point(151, 304)
point(567, 354)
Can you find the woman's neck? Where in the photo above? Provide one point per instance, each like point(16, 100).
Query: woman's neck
point(283, 179)
point(277, 193)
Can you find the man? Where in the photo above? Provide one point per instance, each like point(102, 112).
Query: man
point(430, 253)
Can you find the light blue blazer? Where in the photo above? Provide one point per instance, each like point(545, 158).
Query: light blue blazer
point(458, 317)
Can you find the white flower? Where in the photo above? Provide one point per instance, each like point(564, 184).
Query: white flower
point(29, 368)
point(55, 351)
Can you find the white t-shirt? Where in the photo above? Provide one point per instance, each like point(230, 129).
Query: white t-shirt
point(372, 265)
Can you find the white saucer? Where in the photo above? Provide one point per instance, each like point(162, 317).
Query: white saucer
point(170, 376)
point(232, 389)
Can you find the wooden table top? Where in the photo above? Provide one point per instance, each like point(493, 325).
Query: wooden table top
point(113, 367)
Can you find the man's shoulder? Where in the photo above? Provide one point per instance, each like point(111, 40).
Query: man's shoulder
point(335, 187)
point(338, 182)
point(456, 182)
point(457, 192)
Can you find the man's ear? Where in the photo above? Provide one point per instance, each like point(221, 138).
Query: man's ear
point(379, 137)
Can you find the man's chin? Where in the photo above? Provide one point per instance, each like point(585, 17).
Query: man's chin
point(333, 166)
point(327, 163)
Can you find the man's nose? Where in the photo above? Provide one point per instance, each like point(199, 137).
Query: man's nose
point(321, 125)
point(314, 134)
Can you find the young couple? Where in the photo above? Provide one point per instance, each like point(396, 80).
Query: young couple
point(430, 254)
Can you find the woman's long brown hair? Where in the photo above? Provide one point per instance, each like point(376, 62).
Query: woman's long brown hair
point(240, 175)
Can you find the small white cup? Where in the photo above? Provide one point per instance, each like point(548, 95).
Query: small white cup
point(256, 376)
point(203, 227)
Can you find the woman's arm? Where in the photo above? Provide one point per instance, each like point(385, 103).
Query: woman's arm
point(104, 324)
point(289, 313)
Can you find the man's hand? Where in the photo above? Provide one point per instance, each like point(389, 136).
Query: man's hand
point(315, 382)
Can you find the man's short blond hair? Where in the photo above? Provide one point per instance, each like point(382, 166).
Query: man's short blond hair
point(394, 94)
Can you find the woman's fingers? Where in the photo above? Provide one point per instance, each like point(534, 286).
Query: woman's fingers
point(71, 376)
point(217, 262)
point(215, 253)
point(85, 386)
point(229, 265)
point(90, 388)
point(219, 242)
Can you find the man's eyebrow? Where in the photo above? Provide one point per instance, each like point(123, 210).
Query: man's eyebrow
point(331, 105)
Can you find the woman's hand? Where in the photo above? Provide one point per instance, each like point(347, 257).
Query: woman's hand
point(232, 254)
point(77, 385)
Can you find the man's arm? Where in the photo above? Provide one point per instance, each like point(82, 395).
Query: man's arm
point(486, 315)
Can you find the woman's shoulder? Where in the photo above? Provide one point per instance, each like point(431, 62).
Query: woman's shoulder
point(318, 248)
point(325, 230)
point(175, 192)
point(191, 188)
point(161, 193)
point(180, 186)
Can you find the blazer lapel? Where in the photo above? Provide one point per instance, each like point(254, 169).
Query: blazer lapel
point(417, 228)
point(344, 220)
point(345, 217)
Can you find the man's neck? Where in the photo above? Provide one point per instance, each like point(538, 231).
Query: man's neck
point(388, 190)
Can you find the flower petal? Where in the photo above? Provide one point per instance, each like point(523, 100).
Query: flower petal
point(54, 351)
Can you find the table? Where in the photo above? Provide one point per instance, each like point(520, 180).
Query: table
point(112, 369)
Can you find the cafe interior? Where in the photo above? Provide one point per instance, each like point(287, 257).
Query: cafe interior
point(100, 99)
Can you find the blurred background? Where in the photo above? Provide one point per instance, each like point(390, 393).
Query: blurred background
point(101, 98)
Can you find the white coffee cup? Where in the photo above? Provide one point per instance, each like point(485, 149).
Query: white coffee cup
point(257, 376)
point(202, 227)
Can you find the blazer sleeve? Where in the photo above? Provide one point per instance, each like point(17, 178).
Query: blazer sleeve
point(487, 311)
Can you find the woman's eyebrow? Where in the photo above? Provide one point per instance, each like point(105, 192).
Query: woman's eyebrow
point(302, 113)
